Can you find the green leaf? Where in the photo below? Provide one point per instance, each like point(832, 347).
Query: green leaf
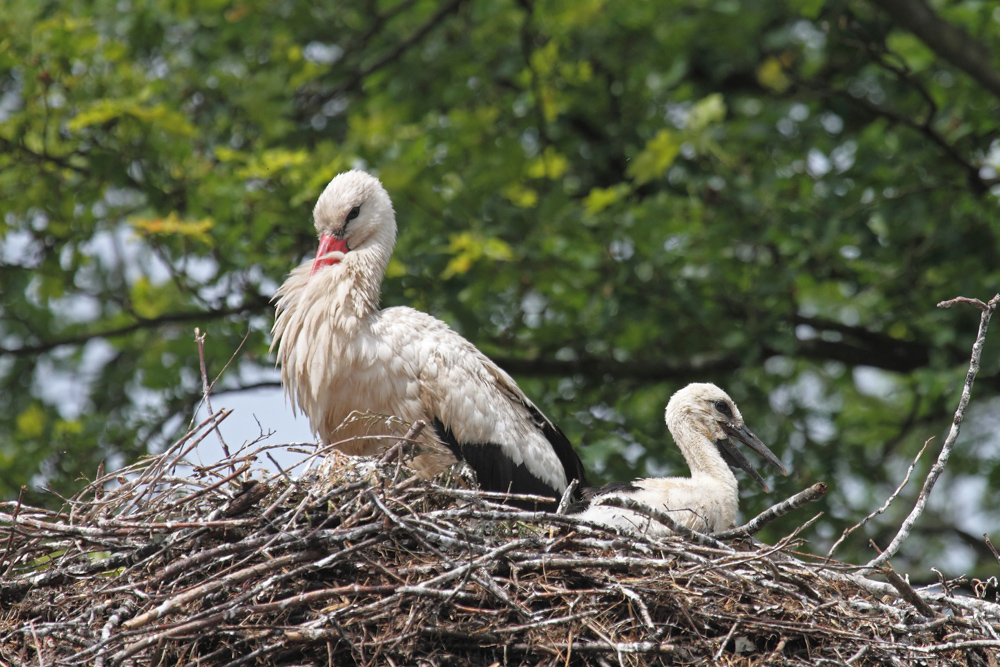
point(550, 164)
point(172, 224)
point(771, 75)
point(157, 115)
point(707, 111)
point(601, 198)
point(656, 158)
point(521, 196)
point(809, 8)
point(467, 248)
point(31, 422)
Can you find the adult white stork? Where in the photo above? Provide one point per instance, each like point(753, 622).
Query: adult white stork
point(341, 354)
point(703, 419)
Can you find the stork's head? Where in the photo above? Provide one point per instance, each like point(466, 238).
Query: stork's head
point(711, 412)
point(353, 213)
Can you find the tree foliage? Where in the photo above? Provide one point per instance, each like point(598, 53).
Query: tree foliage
point(610, 199)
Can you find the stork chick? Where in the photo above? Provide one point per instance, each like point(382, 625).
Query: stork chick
point(703, 420)
point(341, 354)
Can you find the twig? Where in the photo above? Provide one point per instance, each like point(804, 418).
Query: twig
point(13, 529)
point(191, 496)
point(567, 496)
point(500, 496)
point(252, 493)
point(860, 654)
point(230, 361)
point(992, 548)
point(942, 581)
point(885, 505)
point(665, 519)
point(798, 529)
point(722, 647)
point(630, 648)
point(113, 622)
point(949, 443)
point(281, 471)
point(175, 603)
point(754, 526)
point(404, 443)
point(160, 462)
point(199, 338)
point(908, 593)
point(647, 620)
point(972, 302)
point(155, 472)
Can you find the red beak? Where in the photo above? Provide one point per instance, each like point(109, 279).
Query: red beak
point(328, 244)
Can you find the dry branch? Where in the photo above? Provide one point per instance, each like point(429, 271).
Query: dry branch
point(754, 526)
point(885, 505)
point(949, 443)
point(908, 593)
point(369, 565)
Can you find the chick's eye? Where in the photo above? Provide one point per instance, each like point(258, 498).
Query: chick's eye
point(355, 212)
point(723, 407)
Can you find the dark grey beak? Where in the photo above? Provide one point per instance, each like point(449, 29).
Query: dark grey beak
point(735, 458)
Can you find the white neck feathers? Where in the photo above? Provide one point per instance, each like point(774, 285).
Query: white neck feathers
point(699, 450)
point(318, 313)
point(695, 430)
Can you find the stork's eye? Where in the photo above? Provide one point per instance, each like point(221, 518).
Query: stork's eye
point(355, 212)
point(723, 407)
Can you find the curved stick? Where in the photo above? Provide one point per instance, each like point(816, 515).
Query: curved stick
point(754, 525)
point(949, 443)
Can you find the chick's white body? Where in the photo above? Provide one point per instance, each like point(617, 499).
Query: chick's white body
point(708, 500)
point(705, 505)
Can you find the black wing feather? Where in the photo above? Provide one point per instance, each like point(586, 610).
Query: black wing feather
point(591, 492)
point(610, 487)
point(495, 472)
point(561, 445)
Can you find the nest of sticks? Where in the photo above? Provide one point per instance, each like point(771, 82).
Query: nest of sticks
point(362, 563)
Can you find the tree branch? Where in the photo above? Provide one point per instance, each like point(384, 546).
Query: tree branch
point(653, 370)
point(948, 41)
point(949, 443)
point(883, 508)
point(972, 171)
point(151, 323)
point(754, 526)
point(887, 353)
point(402, 47)
point(663, 518)
point(907, 593)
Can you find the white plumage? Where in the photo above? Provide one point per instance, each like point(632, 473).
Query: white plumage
point(702, 418)
point(340, 354)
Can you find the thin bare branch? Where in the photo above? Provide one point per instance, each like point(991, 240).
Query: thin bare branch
point(755, 525)
point(885, 505)
point(13, 529)
point(142, 324)
point(199, 338)
point(992, 548)
point(908, 593)
point(401, 47)
point(567, 496)
point(949, 443)
point(664, 518)
point(404, 444)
